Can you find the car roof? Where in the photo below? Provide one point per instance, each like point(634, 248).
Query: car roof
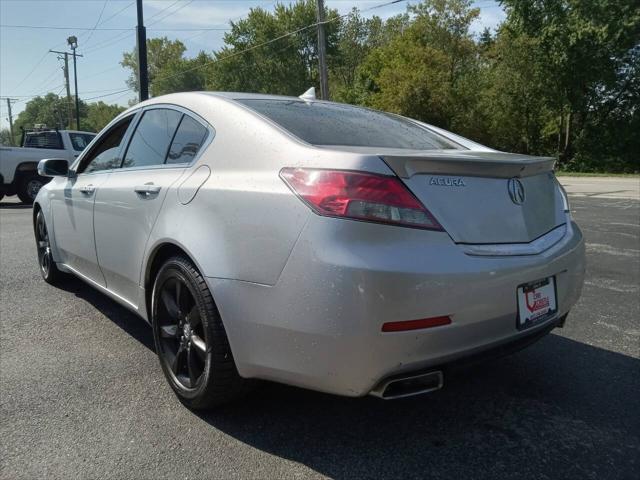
point(252, 96)
point(185, 98)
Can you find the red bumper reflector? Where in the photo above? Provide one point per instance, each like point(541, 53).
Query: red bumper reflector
point(415, 324)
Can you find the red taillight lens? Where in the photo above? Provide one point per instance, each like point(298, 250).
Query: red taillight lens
point(405, 325)
point(357, 195)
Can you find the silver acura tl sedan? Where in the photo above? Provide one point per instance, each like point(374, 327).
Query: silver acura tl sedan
point(312, 243)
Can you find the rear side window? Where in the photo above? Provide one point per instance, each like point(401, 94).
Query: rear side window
point(150, 142)
point(188, 140)
point(79, 141)
point(320, 123)
point(43, 140)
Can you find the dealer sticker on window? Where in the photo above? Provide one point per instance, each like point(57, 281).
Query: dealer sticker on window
point(536, 302)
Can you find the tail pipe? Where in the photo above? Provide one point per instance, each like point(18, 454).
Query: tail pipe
point(407, 386)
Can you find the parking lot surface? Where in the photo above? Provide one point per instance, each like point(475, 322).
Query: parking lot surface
point(82, 394)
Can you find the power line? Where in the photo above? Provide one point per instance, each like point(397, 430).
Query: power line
point(48, 78)
point(271, 3)
point(102, 71)
point(118, 13)
point(120, 29)
point(61, 27)
point(25, 98)
point(171, 13)
point(120, 37)
point(108, 94)
point(111, 41)
point(46, 53)
point(104, 5)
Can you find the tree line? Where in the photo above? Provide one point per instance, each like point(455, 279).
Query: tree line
point(53, 111)
point(556, 77)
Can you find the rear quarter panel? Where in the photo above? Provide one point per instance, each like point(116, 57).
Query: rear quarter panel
point(243, 221)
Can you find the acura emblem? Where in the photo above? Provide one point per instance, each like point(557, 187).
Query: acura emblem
point(516, 191)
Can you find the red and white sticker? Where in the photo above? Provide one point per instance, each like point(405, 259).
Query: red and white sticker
point(536, 301)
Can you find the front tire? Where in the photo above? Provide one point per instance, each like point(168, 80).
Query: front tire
point(48, 268)
point(190, 339)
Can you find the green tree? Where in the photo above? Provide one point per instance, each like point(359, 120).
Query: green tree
point(99, 114)
point(424, 72)
point(513, 95)
point(5, 137)
point(164, 57)
point(49, 109)
point(356, 37)
point(586, 54)
point(288, 66)
point(182, 75)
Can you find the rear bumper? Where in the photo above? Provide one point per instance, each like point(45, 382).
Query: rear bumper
point(319, 326)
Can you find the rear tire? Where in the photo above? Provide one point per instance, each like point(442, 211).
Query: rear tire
point(48, 268)
point(29, 187)
point(190, 339)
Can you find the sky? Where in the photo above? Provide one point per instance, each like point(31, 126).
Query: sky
point(28, 69)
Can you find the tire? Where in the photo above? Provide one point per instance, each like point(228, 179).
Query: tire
point(190, 339)
point(48, 268)
point(1, 196)
point(29, 186)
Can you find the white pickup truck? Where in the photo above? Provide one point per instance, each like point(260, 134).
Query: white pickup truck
point(18, 165)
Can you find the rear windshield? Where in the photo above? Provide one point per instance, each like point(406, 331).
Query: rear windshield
point(43, 140)
point(321, 123)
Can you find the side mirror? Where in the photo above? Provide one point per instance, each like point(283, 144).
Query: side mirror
point(53, 167)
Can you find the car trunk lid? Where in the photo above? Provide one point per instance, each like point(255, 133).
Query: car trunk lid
point(484, 197)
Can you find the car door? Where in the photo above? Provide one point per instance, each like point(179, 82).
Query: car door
point(73, 201)
point(129, 201)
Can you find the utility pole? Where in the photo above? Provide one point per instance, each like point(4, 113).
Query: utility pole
point(73, 43)
point(9, 100)
point(65, 57)
point(322, 53)
point(141, 38)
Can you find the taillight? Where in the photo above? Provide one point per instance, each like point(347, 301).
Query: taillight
point(360, 196)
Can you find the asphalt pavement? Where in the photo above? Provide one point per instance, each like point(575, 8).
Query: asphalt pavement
point(82, 394)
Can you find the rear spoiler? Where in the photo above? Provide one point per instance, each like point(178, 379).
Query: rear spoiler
point(470, 164)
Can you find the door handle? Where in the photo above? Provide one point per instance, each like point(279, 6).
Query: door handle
point(147, 189)
point(87, 189)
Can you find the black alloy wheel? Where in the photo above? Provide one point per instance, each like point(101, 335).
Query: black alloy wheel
point(48, 268)
point(190, 339)
point(183, 345)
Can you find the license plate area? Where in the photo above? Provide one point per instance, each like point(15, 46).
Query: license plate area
point(537, 302)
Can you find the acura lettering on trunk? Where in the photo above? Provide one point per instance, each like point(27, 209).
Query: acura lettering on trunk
point(447, 182)
point(310, 243)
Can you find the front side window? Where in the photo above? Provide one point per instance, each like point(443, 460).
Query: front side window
point(322, 123)
point(150, 142)
point(188, 140)
point(105, 154)
point(79, 141)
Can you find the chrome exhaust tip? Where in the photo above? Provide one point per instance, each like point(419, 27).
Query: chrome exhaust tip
point(401, 387)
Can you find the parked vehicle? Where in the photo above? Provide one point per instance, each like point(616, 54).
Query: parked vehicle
point(18, 165)
point(311, 243)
